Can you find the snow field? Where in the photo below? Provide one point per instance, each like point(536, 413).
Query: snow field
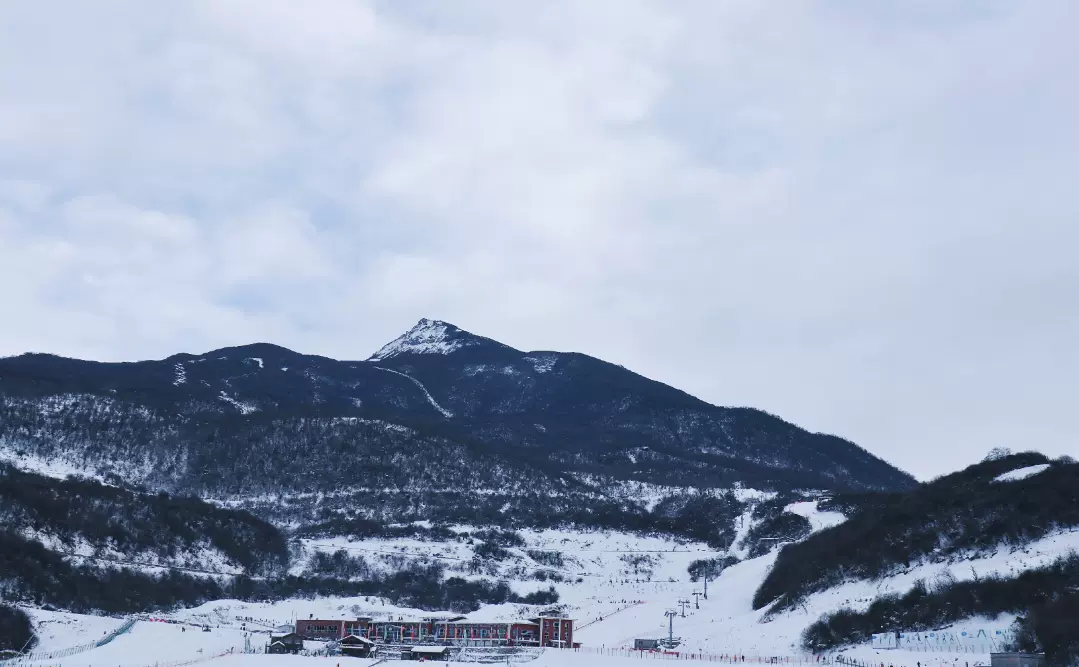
point(58, 630)
point(1022, 473)
point(147, 643)
point(611, 566)
point(818, 519)
point(614, 567)
point(617, 587)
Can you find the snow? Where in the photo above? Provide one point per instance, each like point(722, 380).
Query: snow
point(257, 360)
point(818, 519)
point(430, 399)
point(427, 337)
point(148, 643)
point(1022, 473)
point(599, 576)
point(615, 585)
point(58, 630)
point(586, 555)
point(65, 464)
point(244, 408)
point(398, 428)
point(745, 523)
point(181, 375)
point(612, 604)
point(1007, 562)
point(542, 363)
point(56, 467)
point(199, 558)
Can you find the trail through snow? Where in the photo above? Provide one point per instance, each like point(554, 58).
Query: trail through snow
point(1022, 473)
point(430, 399)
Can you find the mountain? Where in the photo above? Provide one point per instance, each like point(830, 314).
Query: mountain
point(438, 424)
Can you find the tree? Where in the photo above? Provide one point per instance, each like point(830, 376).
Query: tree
point(16, 630)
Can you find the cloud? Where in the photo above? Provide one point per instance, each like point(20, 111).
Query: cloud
point(859, 217)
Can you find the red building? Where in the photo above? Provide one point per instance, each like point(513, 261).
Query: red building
point(319, 630)
point(555, 631)
point(546, 631)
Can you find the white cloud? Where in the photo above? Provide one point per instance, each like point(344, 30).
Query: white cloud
point(858, 217)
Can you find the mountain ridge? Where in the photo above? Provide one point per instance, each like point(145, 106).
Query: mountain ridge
point(438, 409)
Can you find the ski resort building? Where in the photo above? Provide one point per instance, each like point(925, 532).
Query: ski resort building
point(319, 630)
point(548, 631)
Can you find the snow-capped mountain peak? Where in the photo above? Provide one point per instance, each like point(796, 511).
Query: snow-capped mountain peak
point(428, 337)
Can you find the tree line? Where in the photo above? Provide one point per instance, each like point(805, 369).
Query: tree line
point(1046, 598)
point(960, 514)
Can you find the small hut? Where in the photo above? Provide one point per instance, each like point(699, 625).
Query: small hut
point(429, 653)
point(357, 647)
point(287, 643)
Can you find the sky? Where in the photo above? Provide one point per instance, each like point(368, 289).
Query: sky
point(859, 216)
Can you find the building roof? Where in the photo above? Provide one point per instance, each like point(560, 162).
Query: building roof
point(1019, 653)
point(432, 650)
point(290, 636)
point(355, 639)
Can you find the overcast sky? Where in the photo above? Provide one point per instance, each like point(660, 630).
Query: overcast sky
point(860, 216)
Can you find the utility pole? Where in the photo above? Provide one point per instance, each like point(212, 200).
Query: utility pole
point(670, 614)
point(697, 599)
point(683, 602)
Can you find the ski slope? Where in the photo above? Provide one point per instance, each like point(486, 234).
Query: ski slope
point(617, 587)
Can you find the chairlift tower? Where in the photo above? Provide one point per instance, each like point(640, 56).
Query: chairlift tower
point(683, 602)
point(670, 614)
point(709, 570)
point(696, 599)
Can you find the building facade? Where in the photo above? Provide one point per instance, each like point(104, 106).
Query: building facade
point(545, 631)
point(321, 630)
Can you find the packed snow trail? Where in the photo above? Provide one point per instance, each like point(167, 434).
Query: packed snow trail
point(1022, 473)
point(430, 399)
point(609, 615)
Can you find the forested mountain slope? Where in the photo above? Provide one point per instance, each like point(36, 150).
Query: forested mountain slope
point(96, 522)
point(982, 508)
point(437, 410)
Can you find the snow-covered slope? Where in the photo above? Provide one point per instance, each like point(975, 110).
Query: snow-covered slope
point(428, 337)
point(1022, 473)
point(818, 519)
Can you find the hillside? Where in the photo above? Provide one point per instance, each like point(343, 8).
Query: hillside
point(959, 516)
point(104, 523)
point(439, 424)
point(996, 541)
point(82, 545)
point(618, 584)
point(452, 472)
